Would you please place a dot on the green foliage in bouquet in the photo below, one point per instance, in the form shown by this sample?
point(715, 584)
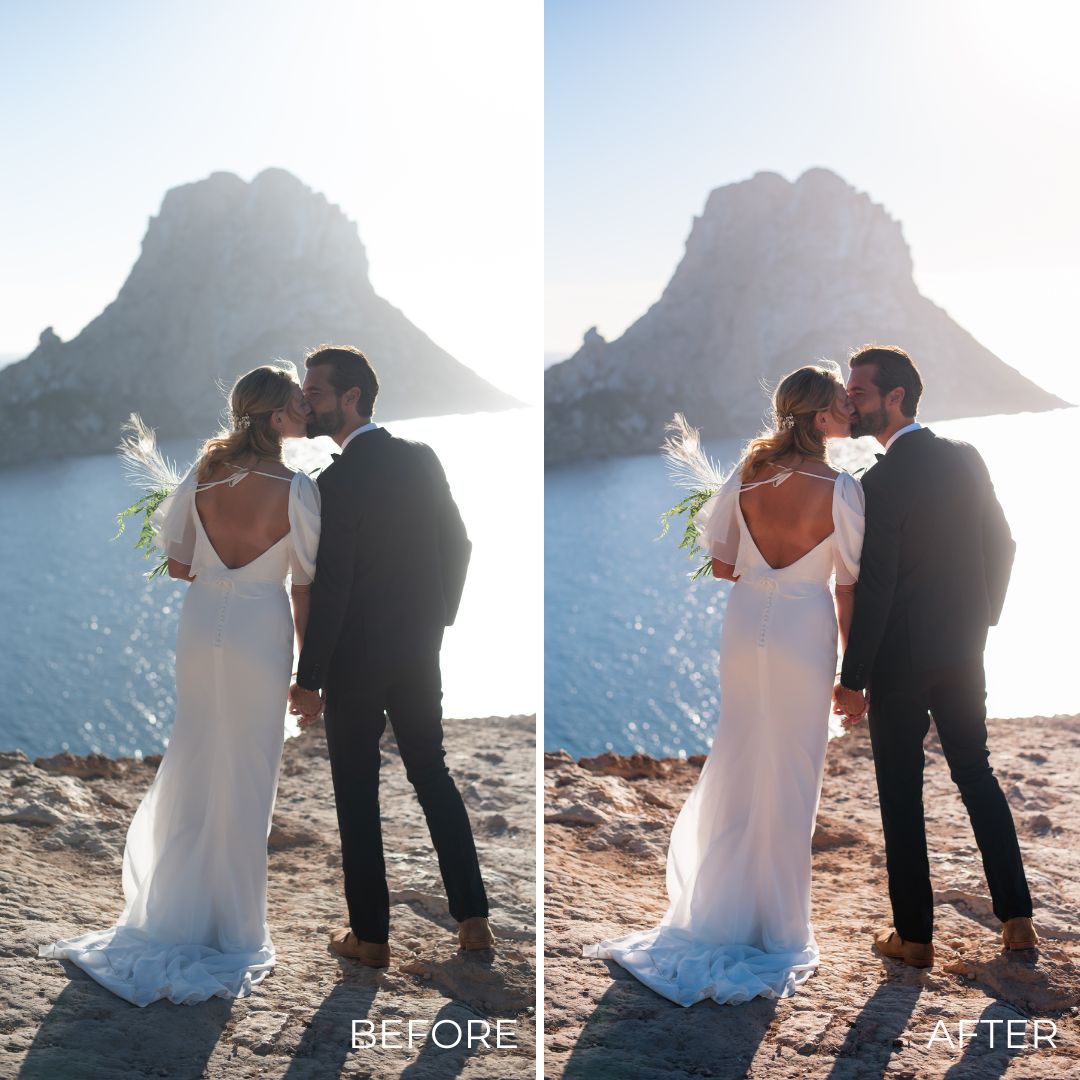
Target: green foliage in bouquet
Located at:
point(145, 542)
point(690, 506)
point(690, 468)
point(146, 469)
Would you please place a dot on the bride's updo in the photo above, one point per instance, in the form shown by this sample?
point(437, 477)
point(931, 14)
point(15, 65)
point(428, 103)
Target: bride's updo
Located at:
point(796, 400)
point(252, 400)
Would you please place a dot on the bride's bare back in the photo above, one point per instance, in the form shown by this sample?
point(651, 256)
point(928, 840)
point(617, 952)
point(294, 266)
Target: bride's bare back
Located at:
point(245, 519)
point(788, 520)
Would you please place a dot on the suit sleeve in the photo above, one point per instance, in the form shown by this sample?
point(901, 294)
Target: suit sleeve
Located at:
point(878, 569)
point(999, 548)
point(455, 547)
point(333, 582)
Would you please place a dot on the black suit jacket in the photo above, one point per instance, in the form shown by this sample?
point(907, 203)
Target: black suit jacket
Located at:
point(936, 560)
point(392, 559)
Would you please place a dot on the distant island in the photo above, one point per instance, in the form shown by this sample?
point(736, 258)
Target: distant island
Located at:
point(775, 274)
point(231, 275)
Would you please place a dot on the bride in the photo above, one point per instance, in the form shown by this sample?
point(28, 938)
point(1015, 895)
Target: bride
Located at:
point(738, 868)
point(194, 869)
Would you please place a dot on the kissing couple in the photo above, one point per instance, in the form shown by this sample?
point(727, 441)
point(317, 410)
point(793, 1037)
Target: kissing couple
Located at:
point(375, 557)
point(919, 555)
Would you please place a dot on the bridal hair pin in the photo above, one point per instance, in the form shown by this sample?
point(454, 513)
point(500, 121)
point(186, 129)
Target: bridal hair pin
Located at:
point(242, 421)
point(785, 421)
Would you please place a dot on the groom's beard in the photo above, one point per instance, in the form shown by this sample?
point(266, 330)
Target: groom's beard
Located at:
point(325, 423)
point(869, 423)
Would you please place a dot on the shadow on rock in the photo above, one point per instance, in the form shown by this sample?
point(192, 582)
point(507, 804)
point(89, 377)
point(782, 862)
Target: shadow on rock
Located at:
point(446, 1047)
point(498, 983)
point(74, 1041)
point(877, 1030)
point(326, 1043)
point(635, 1033)
point(988, 1055)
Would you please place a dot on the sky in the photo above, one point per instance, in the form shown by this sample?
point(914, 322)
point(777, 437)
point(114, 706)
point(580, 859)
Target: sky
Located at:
point(422, 120)
point(960, 117)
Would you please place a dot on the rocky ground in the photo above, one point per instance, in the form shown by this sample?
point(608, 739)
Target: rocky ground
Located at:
point(63, 822)
point(606, 833)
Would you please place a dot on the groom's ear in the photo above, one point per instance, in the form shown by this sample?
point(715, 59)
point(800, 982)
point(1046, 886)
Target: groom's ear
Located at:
point(351, 397)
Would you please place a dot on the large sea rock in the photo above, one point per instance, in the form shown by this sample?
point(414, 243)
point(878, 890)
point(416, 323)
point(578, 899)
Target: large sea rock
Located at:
point(775, 275)
point(231, 275)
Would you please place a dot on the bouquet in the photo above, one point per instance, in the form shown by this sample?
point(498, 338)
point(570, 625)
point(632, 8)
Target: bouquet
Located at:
point(156, 477)
point(689, 468)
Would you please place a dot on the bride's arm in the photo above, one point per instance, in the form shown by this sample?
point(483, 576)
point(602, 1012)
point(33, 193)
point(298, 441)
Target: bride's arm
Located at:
point(301, 605)
point(724, 570)
point(845, 607)
point(180, 571)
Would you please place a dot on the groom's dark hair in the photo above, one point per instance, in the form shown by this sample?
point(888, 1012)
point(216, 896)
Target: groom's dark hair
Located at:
point(349, 367)
point(892, 368)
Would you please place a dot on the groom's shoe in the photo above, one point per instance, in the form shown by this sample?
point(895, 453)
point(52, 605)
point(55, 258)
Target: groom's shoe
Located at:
point(475, 934)
point(892, 945)
point(1019, 933)
point(345, 943)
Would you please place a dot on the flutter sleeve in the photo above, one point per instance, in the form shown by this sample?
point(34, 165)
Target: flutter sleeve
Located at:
point(717, 525)
point(174, 520)
point(305, 520)
point(849, 521)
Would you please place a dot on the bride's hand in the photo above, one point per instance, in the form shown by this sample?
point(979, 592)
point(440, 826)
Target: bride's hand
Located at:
point(843, 702)
point(306, 705)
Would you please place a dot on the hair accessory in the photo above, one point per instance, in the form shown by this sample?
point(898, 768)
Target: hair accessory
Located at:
point(785, 421)
point(242, 421)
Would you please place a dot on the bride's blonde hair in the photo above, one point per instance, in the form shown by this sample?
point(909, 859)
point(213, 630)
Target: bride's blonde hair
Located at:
point(252, 400)
point(795, 401)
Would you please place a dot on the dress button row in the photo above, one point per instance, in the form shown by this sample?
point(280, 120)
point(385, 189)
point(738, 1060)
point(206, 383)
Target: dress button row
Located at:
point(770, 585)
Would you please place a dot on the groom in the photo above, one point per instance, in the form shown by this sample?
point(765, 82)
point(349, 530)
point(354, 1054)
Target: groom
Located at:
point(935, 566)
point(388, 578)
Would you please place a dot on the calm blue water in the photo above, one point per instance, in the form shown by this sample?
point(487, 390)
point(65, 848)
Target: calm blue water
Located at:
point(87, 657)
point(631, 645)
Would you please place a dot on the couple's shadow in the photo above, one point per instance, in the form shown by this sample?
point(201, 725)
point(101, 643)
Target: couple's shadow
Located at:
point(325, 1048)
point(90, 1032)
point(635, 1033)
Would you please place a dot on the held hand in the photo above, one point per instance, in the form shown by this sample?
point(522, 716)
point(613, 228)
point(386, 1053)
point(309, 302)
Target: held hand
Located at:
point(306, 704)
point(850, 703)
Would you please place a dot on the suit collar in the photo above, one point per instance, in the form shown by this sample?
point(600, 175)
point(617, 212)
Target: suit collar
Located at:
point(912, 438)
point(368, 439)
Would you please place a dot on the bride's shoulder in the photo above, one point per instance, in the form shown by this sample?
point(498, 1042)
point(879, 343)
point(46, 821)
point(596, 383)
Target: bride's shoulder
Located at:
point(305, 489)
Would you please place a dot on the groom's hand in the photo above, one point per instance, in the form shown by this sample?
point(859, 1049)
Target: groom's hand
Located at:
point(307, 704)
point(852, 703)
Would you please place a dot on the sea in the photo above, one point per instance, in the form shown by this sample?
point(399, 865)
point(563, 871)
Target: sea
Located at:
point(87, 657)
point(632, 645)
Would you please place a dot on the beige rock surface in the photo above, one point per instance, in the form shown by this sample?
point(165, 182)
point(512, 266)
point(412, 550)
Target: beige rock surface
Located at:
point(606, 833)
point(63, 823)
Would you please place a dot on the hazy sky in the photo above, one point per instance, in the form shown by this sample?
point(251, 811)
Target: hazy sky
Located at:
point(422, 120)
point(961, 117)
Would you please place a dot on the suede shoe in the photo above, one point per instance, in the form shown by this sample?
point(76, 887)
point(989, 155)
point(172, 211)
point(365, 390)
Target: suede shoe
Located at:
point(889, 943)
point(1019, 933)
point(475, 934)
point(374, 954)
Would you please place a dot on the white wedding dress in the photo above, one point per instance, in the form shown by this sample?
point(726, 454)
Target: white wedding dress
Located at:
point(738, 866)
point(194, 873)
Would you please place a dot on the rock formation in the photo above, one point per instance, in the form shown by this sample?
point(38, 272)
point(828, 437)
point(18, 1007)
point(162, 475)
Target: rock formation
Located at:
point(775, 275)
point(231, 275)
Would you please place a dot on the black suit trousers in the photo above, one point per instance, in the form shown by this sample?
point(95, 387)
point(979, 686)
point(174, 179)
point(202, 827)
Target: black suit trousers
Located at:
point(899, 716)
point(410, 694)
